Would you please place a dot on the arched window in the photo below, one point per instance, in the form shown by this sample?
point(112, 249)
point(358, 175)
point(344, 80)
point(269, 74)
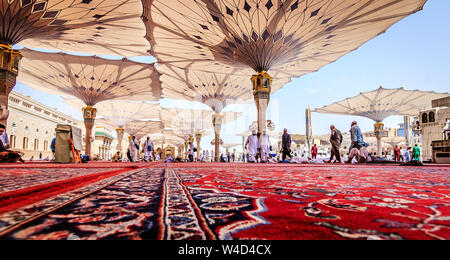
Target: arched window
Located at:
point(45, 145)
point(25, 143)
point(36, 144)
point(13, 127)
point(424, 118)
point(12, 141)
point(431, 117)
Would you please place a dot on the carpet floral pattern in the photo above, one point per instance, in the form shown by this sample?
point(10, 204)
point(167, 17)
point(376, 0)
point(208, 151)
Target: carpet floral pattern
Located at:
point(245, 201)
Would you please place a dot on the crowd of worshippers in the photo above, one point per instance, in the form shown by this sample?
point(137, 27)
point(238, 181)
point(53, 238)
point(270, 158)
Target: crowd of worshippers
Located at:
point(260, 150)
point(148, 153)
point(147, 150)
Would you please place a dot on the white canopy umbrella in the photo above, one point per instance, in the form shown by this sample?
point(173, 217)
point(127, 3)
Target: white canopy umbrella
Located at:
point(91, 79)
point(121, 112)
point(284, 38)
point(95, 27)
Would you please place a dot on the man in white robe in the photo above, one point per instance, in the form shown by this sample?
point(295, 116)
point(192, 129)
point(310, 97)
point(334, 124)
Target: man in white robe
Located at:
point(133, 147)
point(296, 159)
point(252, 146)
point(148, 148)
point(202, 156)
point(264, 145)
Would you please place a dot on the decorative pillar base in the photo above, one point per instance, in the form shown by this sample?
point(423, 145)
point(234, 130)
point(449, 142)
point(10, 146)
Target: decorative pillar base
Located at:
point(378, 130)
point(89, 114)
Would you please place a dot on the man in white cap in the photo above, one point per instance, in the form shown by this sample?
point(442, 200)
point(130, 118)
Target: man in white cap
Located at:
point(252, 146)
point(148, 148)
point(264, 145)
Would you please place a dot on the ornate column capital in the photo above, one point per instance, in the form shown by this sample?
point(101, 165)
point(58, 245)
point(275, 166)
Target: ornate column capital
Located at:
point(89, 112)
point(378, 128)
point(9, 59)
point(262, 84)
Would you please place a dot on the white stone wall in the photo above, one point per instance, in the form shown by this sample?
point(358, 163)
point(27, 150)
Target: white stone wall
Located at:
point(433, 131)
point(31, 126)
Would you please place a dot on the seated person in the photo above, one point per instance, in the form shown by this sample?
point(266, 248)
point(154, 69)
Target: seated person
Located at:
point(296, 159)
point(6, 155)
point(168, 159)
point(116, 157)
point(361, 155)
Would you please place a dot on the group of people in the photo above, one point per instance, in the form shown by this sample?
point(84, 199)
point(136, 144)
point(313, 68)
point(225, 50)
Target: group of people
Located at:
point(409, 154)
point(358, 148)
point(134, 148)
point(259, 149)
point(253, 144)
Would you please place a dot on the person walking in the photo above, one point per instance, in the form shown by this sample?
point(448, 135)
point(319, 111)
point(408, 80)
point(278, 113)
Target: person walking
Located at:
point(148, 149)
point(407, 154)
point(314, 152)
point(191, 152)
point(264, 145)
point(252, 146)
point(397, 153)
point(286, 145)
point(336, 141)
point(416, 153)
point(133, 147)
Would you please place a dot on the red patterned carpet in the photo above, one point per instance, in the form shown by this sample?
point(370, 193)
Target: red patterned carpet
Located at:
point(224, 201)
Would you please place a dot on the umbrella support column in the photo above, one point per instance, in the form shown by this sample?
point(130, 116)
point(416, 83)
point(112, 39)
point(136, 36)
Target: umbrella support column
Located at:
point(186, 143)
point(198, 137)
point(262, 84)
point(9, 69)
point(309, 138)
point(119, 131)
point(378, 130)
point(407, 129)
point(89, 114)
point(217, 124)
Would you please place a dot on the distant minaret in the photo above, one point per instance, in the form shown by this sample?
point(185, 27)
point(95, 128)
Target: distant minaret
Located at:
point(407, 129)
point(308, 128)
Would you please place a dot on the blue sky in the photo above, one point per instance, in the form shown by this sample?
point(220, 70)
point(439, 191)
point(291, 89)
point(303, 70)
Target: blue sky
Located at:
point(414, 54)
